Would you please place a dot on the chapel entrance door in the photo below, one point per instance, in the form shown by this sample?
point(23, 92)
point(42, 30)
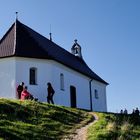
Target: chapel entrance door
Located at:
point(73, 96)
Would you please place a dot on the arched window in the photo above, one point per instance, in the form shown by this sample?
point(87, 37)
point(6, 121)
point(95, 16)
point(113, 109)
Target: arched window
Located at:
point(33, 76)
point(62, 81)
point(96, 93)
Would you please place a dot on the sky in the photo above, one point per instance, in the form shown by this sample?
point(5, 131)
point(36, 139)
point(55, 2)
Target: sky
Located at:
point(107, 30)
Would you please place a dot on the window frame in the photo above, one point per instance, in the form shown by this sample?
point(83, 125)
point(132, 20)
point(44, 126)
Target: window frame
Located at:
point(96, 94)
point(62, 85)
point(33, 76)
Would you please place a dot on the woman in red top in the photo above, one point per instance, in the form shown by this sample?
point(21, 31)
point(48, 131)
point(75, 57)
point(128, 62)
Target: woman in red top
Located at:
point(25, 94)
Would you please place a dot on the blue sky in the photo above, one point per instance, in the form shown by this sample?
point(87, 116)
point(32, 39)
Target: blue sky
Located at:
point(107, 30)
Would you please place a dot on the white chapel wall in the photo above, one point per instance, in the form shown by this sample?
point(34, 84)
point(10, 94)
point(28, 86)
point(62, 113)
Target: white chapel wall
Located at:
point(49, 71)
point(44, 74)
point(99, 103)
point(7, 78)
point(71, 78)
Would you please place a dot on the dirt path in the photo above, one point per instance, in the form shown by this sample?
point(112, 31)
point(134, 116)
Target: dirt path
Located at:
point(81, 134)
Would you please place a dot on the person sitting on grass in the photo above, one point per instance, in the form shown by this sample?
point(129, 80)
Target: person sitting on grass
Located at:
point(25, 95)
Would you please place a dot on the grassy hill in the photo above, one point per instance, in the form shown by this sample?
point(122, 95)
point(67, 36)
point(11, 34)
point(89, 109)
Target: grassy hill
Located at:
point(26, 120)
point(115, 127)
point(30, 120)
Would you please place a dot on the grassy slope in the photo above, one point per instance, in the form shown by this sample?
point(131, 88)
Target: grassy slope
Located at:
point(115, 127)
point(38, 121)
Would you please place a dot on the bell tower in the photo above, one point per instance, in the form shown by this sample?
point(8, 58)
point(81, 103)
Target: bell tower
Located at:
point(76, 49)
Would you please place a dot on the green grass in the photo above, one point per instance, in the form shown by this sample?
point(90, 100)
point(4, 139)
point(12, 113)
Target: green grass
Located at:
point(30, 120)
point(115, 127)
point(26, 120)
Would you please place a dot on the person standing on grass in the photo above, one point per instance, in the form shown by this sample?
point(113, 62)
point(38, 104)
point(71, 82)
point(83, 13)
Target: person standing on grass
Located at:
point(125, 111)
point(137, 112)
point(20, 89)
point(50, 93)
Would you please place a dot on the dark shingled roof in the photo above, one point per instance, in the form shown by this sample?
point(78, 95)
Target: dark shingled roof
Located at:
point(22, 41)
